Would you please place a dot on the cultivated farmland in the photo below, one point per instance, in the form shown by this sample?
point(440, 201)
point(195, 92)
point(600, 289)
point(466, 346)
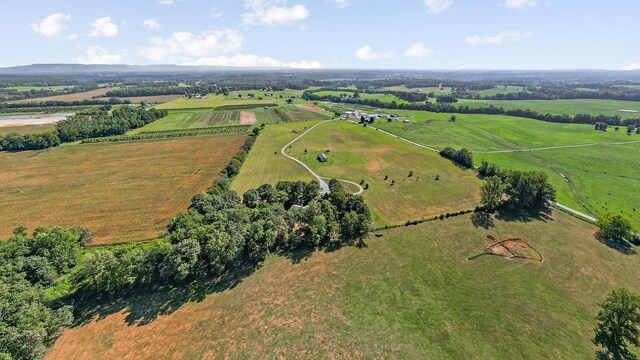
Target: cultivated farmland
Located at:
point(120, 191)
point(213, 101)
point(87, 95)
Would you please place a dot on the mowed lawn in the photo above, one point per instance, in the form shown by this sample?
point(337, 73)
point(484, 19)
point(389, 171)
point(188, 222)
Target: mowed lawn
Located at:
point(265, 164)
point(358, 153)
point(212, 101)
point(411, 294)
point(559, 107)
point(122, 192)
point(599, 179)
point(495, 132)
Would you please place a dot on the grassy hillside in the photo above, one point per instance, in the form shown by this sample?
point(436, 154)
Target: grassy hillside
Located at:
point(121, 191)
point(559, 107)
point(411, 294)
point(364, 154)
point(265, 164)
point(212, 101)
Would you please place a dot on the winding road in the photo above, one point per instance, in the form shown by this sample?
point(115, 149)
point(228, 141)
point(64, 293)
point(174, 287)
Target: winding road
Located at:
point(323, 184)
point(325, 187)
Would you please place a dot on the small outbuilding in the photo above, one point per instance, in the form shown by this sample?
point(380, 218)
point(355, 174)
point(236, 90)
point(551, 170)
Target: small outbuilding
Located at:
point(322, 158)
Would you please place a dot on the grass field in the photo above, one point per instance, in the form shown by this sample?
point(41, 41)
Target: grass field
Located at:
point(445, 90)
point(265, 164)
point(409, 295)
point(122, 192)
point(364, 154)
point(212, 101)
point(87, 95)
point(158, 99)
point(507, 89)
point(492, 132)
point(28, 129)
point(382, 97)
point(559, 107)
point(600, 179)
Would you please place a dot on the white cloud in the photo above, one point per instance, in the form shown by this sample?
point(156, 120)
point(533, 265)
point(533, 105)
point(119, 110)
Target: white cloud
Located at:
point(166, 2)
point(151, 24)
point(99, 55)
point(366, 53)
point(52, 25)
point(499, 38)
point(272, 13)
point(437, 6)
point(103, 27)
point(520, 4)
point(418, 50)
point(241, 60)
point(215, 13)
point(341, 3)
point(72, 37)
point(185, 46)
point(631, 66)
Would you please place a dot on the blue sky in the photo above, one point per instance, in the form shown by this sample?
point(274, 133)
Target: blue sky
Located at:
point(400, 34)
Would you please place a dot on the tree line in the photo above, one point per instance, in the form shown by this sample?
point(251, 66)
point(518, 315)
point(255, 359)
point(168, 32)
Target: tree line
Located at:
point(147, 91)
point(51, 103)
point(92, 124)
point(462, 157)
point(557, 92)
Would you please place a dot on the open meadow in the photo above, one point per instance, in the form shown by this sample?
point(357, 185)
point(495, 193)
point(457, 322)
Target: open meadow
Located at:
point(121, 192)
point(87, 95)
point(435, 186)
point(409, 294)
point(382, 97)
point(560, 107)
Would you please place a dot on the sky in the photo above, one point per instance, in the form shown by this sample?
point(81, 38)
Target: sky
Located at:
point(350, 34)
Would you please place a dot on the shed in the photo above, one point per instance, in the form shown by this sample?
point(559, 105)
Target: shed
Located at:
point(322, 158)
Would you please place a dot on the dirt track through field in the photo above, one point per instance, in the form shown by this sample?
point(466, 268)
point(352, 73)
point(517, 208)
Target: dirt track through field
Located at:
point(247, 118)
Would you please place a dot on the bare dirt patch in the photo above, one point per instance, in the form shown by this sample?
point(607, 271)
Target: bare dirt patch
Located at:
point(310, 107)
point(37, 119)
point(511, 248)
point(247, 118)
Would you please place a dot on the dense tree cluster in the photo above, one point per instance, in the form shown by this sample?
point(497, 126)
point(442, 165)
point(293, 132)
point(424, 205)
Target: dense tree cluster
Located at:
point(146, 91)
point(462, 157)
point(29, 319)
point(514, 189)
point(91, 124)
point(569, 91)
point(614, 227)
point(601, 126)
point(618, 325)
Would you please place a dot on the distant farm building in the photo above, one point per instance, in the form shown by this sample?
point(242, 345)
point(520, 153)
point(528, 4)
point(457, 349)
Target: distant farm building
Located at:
point(322, 158)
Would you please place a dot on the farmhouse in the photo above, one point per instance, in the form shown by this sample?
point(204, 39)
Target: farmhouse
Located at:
point(322, 158)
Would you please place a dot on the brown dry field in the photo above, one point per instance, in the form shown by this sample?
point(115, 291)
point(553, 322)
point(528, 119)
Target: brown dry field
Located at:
point(158, 99)
point(409, 294)
point(87, 95)
point(122, 192)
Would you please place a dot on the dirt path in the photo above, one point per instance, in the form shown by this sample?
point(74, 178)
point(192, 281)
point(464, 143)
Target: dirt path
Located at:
point(556, 147)
point(247, 118)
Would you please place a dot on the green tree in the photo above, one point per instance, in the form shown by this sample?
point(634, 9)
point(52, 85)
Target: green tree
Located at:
point(619, 325)
point(614, 226)
point(491, 192)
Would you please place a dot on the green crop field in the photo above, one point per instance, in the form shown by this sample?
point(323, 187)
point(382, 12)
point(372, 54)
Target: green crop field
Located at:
point(29, 88)
point(411, 294)
point(559, 107)
point(436, 90)
point(121, 192)
point(213, 101)
point(192, 119)
point(364, 154)
point(493, 132)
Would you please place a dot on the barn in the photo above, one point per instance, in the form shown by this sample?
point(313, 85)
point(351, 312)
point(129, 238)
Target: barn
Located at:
point(322, 158)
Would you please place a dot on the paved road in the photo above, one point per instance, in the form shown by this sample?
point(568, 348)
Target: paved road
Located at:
point(575, 212)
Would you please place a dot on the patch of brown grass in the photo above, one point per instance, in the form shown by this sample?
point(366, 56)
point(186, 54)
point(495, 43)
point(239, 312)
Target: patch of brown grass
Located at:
point(87, 95)
point(122, 192)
